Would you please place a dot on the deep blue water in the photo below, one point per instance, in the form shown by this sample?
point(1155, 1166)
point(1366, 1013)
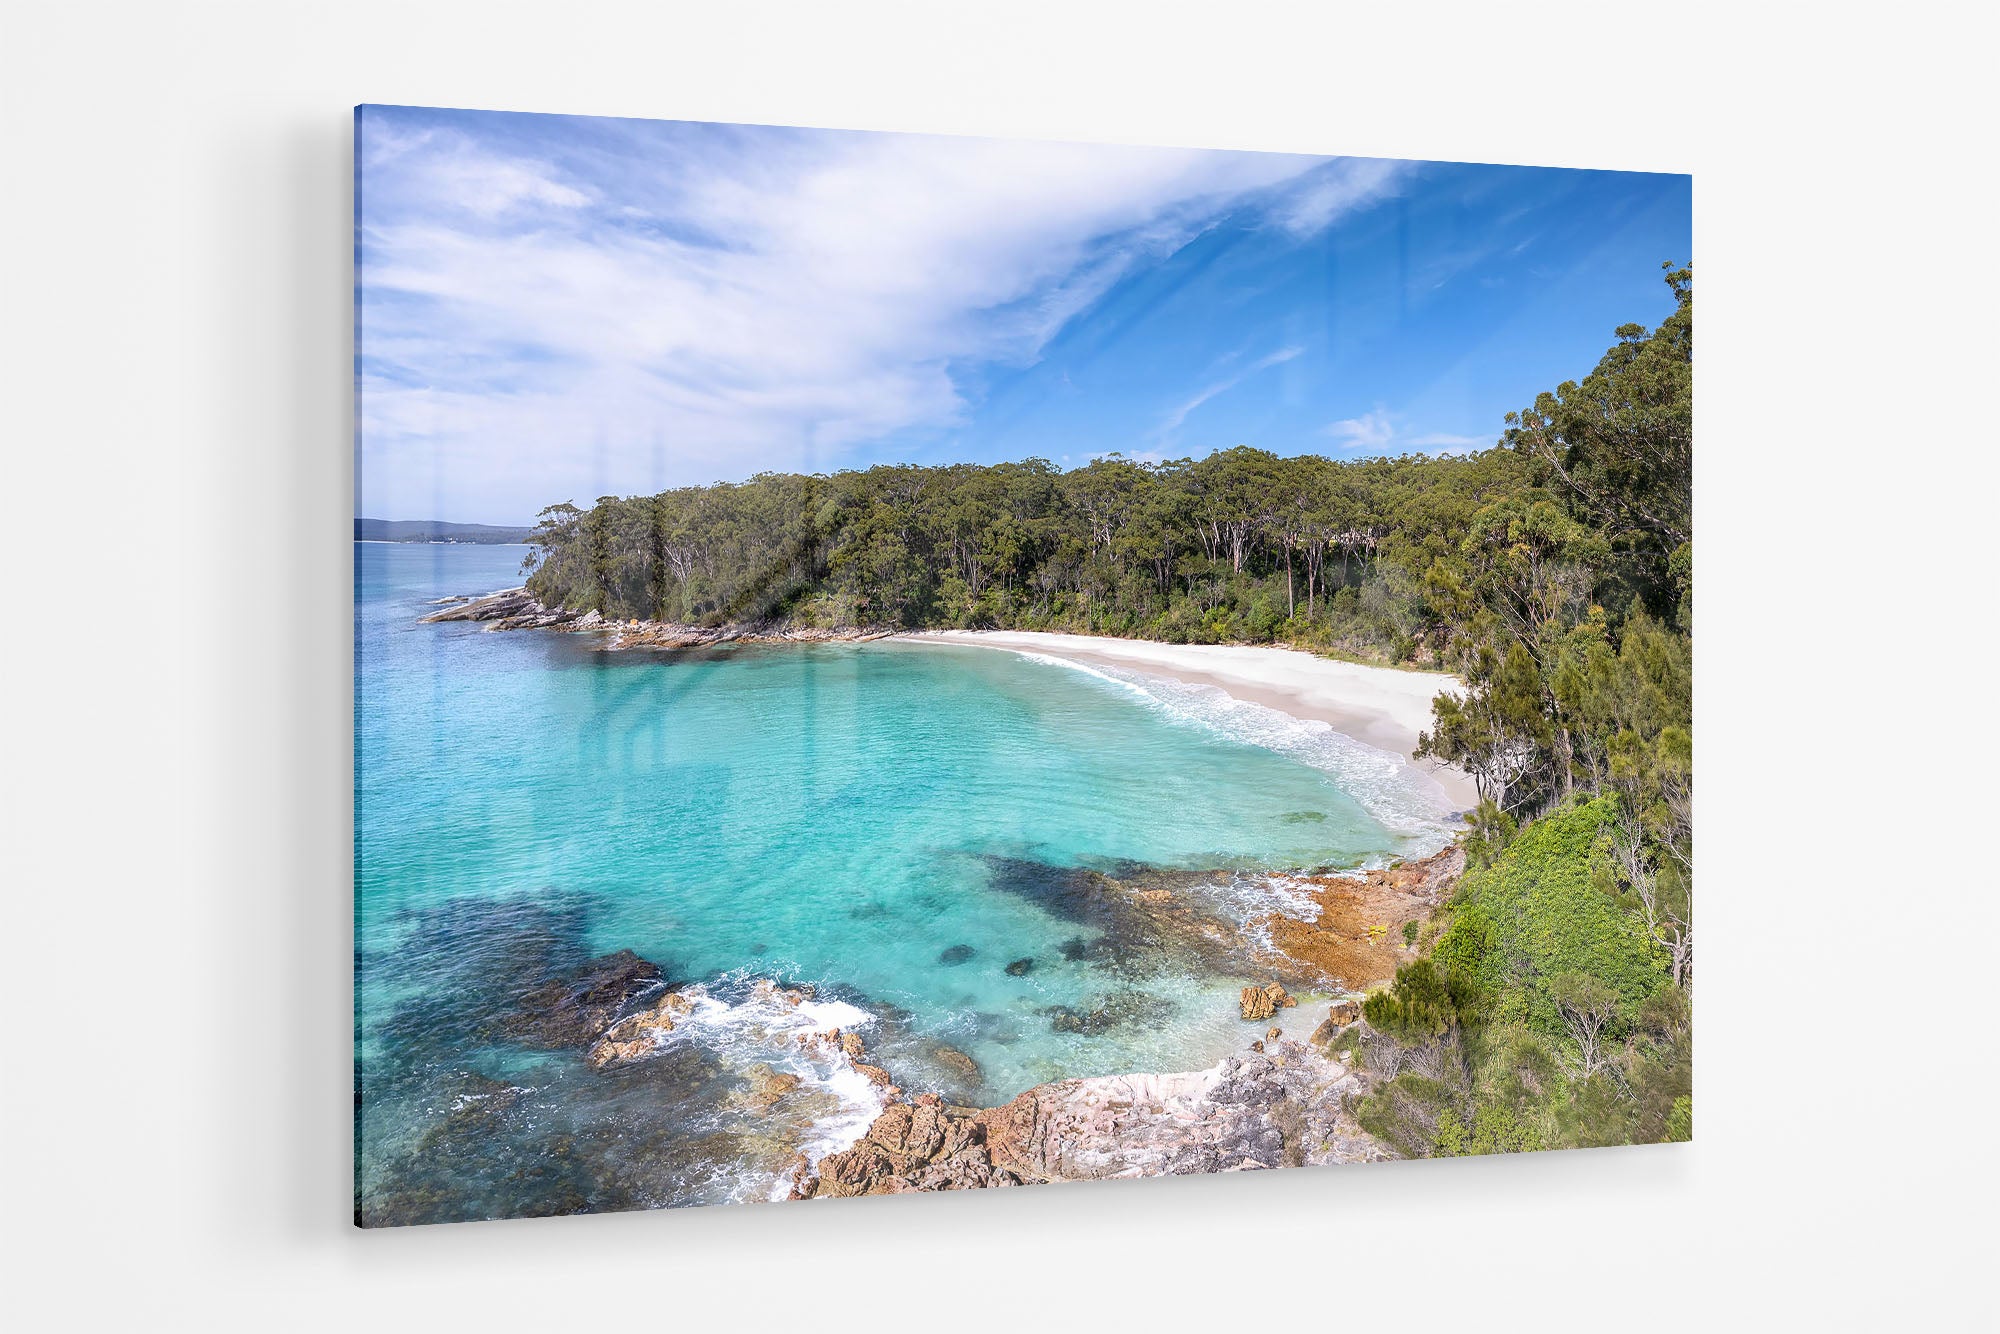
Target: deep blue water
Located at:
point(845, 815)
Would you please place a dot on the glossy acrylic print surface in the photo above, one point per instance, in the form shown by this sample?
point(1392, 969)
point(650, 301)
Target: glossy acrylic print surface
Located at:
point(889, 663)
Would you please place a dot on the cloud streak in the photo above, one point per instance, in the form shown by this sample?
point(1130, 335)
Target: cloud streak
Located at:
point(1338, 189)
point(1376, 432)
point(1178, 415)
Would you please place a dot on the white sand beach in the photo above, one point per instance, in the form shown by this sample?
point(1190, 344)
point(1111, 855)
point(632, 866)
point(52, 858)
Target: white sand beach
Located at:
point(1380, 706)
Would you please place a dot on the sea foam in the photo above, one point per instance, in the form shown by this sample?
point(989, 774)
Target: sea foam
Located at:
point(1392, 790)
point(765, 1026)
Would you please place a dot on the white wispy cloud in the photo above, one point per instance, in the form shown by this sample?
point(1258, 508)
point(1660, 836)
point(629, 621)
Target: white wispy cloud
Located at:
point(668, 304)
point(1370, 431)
point(1378, 432)
point(460, 175)
point(1337, 189)
point(1178, 414)
point(1443, 442)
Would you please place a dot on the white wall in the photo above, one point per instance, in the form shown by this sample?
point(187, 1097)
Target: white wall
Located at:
point(175, 317)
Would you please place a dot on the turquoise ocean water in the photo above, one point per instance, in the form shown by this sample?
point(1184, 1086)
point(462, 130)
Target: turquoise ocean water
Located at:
point(884, 821)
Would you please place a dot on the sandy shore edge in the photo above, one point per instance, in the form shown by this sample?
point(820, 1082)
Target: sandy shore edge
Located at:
point(1383, 707)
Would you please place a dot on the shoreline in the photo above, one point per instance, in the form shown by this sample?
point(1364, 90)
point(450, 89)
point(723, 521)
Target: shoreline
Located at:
point(1383, 707)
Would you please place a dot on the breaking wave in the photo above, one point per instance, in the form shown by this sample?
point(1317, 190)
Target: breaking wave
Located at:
point(773, 1026)
point(1398, 795)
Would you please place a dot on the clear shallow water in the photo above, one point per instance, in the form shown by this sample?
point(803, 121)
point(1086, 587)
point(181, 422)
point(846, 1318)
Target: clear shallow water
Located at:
point(853, 816)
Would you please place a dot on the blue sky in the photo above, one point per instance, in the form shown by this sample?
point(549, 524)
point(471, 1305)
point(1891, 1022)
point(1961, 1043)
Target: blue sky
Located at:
point(557, 307)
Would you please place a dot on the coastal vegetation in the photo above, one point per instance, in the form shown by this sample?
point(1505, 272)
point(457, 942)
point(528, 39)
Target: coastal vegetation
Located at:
point(1240, 546)
point(1553, 1007)
point(1550, 1003)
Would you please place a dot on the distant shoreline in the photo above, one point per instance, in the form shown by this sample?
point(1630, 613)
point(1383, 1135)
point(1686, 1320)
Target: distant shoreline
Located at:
point(440, 532)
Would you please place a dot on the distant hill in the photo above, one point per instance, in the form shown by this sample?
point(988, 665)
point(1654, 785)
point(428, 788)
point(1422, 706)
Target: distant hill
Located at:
point(433, 530)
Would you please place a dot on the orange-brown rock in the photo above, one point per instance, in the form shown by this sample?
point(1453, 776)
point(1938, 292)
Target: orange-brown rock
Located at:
point(638, 1035)
point(923, 1145)
point(1265, 1001)
point(1339, 1017)
point(1357, 939)
point(1255, 1004)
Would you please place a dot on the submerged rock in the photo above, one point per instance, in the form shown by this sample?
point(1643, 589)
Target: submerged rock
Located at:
point(1107, 1014)
point(956, 955)
point(956, 1061)
point(1020, 967)
point(767, 1086)
point(573, 1008)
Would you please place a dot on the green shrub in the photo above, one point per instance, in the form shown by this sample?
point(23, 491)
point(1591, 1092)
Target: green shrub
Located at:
point(1537, 913)
point(1417, 1007)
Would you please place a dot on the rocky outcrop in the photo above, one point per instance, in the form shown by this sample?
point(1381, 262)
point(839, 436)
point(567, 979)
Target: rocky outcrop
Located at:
point(639, 1035)
point(1357, 936)
point(1265, 1001)
point(518, 609)
point(515, 609)
point(921, 1145)
point(1283, 1107)
point(1286, 1106)
point(572, 1009)
point(1340, 1016)
point(670, 635)
point(1343, 928)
